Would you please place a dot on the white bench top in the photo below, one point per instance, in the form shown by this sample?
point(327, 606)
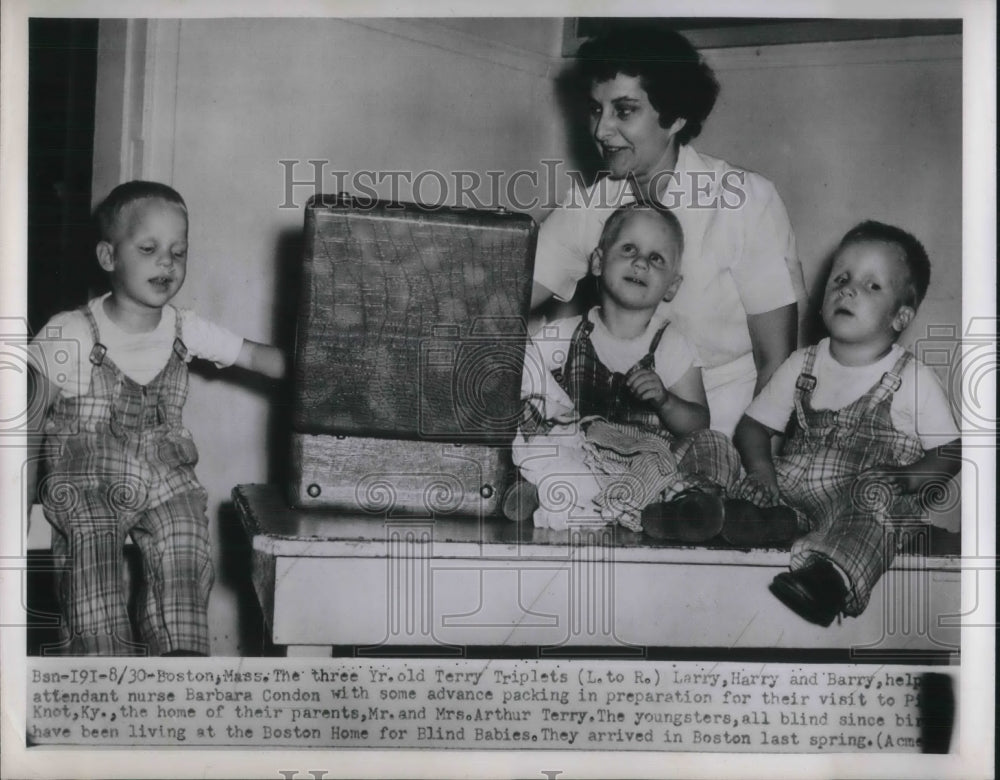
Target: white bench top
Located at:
point(277, 529)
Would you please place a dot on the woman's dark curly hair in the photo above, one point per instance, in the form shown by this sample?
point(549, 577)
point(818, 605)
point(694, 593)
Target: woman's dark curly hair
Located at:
point(670, 70)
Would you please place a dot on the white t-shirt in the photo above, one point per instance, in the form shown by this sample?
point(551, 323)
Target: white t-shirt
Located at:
point(919, 407)
point(66, 342)
point(549, 348)
point(739, 251)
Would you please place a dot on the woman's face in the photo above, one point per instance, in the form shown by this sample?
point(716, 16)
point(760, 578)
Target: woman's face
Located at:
point(627, 129)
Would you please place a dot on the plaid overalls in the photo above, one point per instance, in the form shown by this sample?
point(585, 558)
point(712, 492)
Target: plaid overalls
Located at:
point(823, 453)
point(125, 464)
point(703, 456)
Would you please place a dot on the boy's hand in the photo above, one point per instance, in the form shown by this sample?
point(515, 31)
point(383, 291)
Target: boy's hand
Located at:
point(262, 358)
point(753, 442)
point(647, 386)
point(875, 488)
point(764, 483)
point(682, 409)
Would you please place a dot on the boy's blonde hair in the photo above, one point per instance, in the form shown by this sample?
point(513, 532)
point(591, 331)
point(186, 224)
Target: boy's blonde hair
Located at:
point(616, 221)
point(123, 197)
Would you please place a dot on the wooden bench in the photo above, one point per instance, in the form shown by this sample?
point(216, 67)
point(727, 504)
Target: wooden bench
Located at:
point(326, 580)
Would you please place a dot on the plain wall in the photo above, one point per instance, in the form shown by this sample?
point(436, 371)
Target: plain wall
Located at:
point(845, 132)
point(250, 93)
point(852, 131)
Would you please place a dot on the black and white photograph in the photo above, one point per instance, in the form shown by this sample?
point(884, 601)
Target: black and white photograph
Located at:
point(459, 391)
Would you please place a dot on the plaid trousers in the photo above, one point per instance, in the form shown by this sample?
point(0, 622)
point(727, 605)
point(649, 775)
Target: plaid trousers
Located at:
point(824, 452)
point(123, 463)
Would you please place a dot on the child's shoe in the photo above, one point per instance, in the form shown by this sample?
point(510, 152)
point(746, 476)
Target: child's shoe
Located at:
point(816, 592)
point(692, 516)
point(520, 502)
point(748, 525)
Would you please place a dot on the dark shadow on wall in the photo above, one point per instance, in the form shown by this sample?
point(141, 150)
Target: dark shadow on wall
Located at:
point(288, 278)
point(288, 265)
point(572, 97)
point(62, 78)
point(236, 550)
point(812, 323)
point(236, 572)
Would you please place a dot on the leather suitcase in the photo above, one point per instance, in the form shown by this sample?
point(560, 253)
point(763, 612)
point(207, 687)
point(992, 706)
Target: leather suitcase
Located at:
point(410, 336)
point(398, 478)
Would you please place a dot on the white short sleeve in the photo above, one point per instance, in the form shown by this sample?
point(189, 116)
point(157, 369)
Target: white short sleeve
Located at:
point(931, 420)
point(60, 351)
point(774, 405)
point(560, 255)
point(767, 272)
point(674, 356)
point(208, 341)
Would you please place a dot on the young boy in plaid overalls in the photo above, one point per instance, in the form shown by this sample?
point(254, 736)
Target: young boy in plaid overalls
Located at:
point(118, 458)
point(868, 424)
point(634, 386)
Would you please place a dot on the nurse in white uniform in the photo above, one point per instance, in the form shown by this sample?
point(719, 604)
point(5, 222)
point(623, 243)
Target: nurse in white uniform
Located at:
point(649, 93)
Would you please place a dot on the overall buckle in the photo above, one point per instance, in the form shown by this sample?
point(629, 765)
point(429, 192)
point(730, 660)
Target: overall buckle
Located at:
point(806, 383)
point(97, 354)
point(891, 381)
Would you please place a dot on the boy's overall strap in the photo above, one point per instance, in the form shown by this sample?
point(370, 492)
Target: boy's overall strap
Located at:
point(655, 343)
point(891, 380)
point(804, 386)
point(98, 351)
point(179, 347)
point(806, 382)
point(649, 359)
point(581, 332)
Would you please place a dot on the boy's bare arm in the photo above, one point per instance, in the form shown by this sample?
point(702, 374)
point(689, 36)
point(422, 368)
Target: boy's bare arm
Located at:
point(262, 358)
point(683, 408)
point(773, 336)
point(753, 442)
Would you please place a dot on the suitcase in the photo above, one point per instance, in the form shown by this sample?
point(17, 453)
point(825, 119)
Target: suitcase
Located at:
point(409, 341)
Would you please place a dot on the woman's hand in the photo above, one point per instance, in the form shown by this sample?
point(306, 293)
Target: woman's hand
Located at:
point(935, 468)
point(875, 489)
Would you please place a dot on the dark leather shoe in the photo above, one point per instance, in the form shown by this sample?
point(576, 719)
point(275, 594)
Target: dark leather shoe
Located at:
point(692, 516)
point(748, 525)
point(815, 592)
point(520, 501)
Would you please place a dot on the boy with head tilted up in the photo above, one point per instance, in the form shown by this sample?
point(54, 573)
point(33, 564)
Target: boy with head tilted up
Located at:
point(867, 428)
point(616, 399)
